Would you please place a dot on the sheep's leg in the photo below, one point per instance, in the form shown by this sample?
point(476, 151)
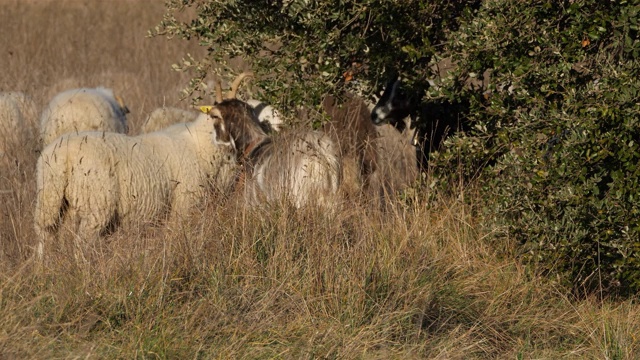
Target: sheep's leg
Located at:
point(92, 210)
point(44, 236)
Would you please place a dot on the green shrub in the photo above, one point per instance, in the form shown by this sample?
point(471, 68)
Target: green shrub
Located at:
point(301, 50)
point(563, 143)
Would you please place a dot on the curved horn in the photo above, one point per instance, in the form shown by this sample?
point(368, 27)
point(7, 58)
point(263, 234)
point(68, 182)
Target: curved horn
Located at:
point(236, 83)
point(218, 91)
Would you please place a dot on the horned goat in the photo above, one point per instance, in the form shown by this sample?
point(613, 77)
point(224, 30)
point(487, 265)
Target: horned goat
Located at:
point(433, 121)
point(302, 167)
point(384, 159)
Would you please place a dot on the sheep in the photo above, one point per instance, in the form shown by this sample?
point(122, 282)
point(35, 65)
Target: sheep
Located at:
point(84, 109)
point(16, 111)
point(302, 167)
point(96, 181)
point(163, 117)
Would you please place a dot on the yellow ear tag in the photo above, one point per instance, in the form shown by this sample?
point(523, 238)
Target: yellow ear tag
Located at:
point(206, 108)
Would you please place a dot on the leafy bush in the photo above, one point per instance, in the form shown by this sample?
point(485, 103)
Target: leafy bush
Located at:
point(559, 123)
point(301, 49)
point(550, 91)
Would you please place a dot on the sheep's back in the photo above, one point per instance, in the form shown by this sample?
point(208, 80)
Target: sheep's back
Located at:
point(111, 172)
point(164, 117)
point(82, 110)
point(303, 166)
point(192, 159)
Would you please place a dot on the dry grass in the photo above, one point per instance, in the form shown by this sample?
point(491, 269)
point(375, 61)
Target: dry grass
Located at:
point(419, 281)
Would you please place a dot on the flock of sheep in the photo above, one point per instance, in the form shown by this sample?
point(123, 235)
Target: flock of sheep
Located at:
point(92, 176)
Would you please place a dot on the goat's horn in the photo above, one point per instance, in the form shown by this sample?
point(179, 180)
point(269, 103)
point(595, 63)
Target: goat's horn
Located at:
point(218, 91)
point(236, 84)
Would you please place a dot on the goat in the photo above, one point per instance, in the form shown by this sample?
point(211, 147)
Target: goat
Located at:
point(267, 114)
point(403, 109)
point(303, 167)
point(384, 158)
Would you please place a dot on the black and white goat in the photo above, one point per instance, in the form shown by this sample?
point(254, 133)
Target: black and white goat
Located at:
point(429, 123)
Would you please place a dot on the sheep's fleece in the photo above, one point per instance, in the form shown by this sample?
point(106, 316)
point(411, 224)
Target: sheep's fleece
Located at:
point(83, 109)
point(94, 180)
point(163, 117)
point(13, 129)
point(303, 166)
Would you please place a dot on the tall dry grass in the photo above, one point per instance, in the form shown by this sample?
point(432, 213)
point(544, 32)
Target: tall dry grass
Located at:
point(421, 280)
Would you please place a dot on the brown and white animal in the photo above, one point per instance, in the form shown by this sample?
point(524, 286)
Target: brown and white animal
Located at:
point(384, 158)
point(302, 167)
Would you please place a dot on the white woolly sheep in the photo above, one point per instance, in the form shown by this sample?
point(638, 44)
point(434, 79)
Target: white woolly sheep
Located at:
point(83, 109)
point(94, 181)
point(302, 167)
point(163, 117)
point(13, 130)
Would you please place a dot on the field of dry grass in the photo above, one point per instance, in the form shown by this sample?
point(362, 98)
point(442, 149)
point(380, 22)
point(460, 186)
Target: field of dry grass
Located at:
point(422, 280)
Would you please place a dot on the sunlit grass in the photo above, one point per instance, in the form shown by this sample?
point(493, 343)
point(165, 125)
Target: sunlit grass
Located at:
point(425, 279)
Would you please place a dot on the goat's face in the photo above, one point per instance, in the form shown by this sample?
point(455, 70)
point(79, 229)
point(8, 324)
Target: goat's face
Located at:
point(221, 135)
point(394, 105)
point(241, 122)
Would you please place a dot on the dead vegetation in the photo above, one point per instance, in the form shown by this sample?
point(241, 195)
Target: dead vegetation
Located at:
point(420, 280)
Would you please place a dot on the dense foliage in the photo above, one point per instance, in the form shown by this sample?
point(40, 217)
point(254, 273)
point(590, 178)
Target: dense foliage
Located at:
point(302, 49)
point(559, 123)
point(550, 91)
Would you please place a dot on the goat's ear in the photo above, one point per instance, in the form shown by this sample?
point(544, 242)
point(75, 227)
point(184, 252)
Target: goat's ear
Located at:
point(214, 113)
